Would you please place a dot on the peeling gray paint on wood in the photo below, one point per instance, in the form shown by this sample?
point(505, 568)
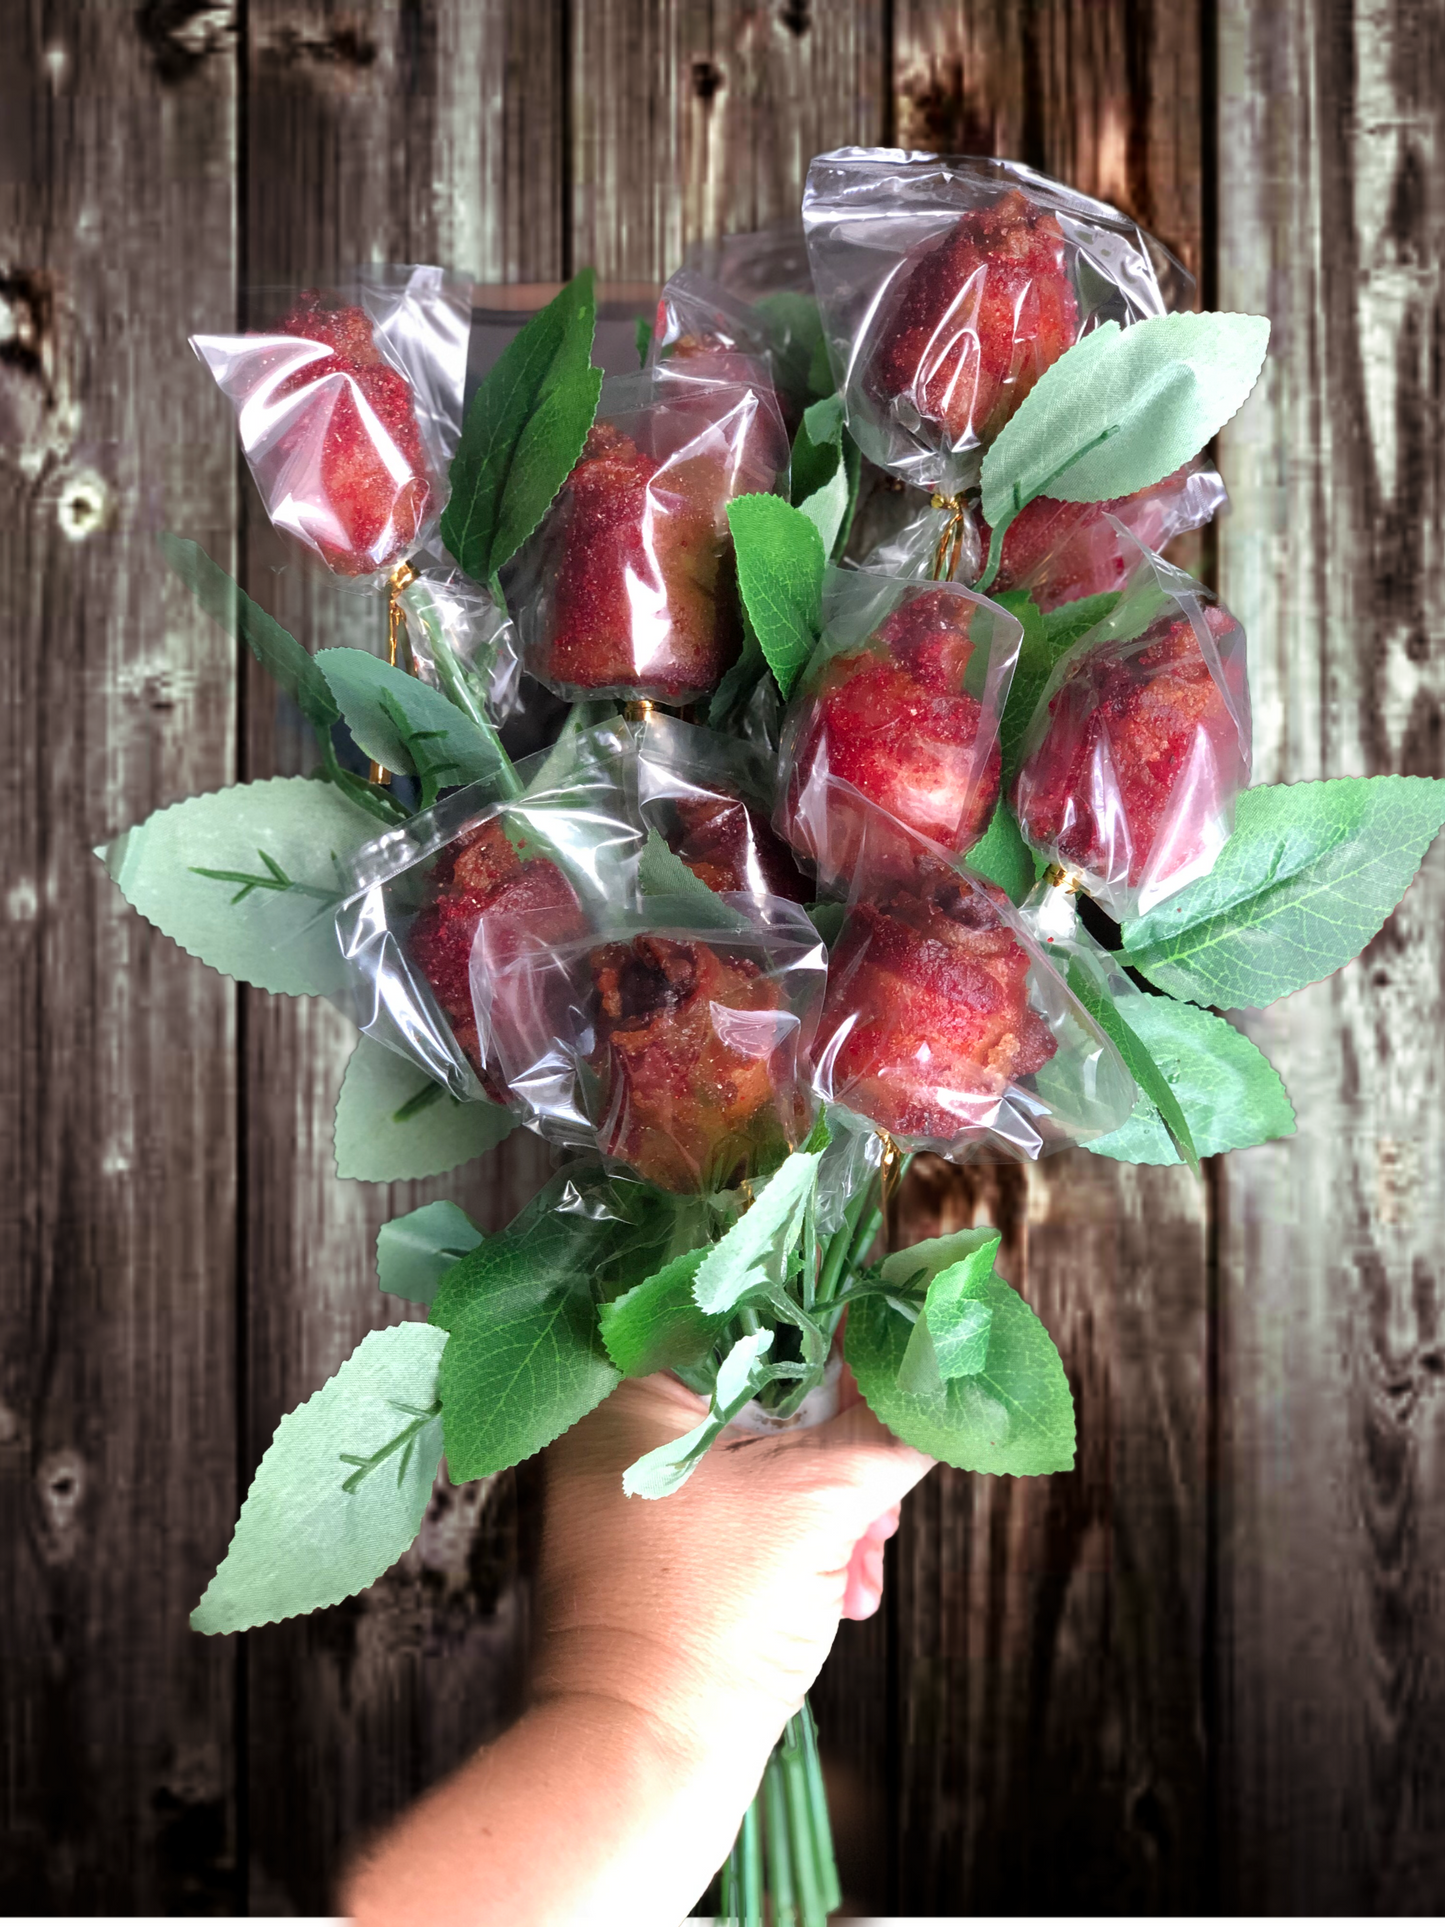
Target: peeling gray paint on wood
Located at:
point(1132, 1690)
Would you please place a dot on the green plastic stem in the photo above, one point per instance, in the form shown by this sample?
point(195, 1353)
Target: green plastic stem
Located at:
point(780, 1859)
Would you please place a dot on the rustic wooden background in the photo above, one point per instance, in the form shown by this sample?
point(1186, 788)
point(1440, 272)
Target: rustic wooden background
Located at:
point(1206, 1672)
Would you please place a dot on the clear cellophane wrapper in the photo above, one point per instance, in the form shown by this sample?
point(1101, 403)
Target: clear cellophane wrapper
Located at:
point(557, 859)
point(948, 285)
point(710, 799)
point(349, 407)
point(1140, 743)
point(947, 1026)
point(460, 642)
point(629, 586)
point(675, 1044)
point(900, 705)
point(767, 284)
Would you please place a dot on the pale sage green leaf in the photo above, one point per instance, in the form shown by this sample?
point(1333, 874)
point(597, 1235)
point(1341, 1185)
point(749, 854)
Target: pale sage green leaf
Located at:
point(341, 1491)
point(248, 879)
point(1306, 880)
point(412, 1252)
point(394, 1123)
point(1138, 1060)
point(661, 1471)
point(1123, 408)
point(1228, 1090)
point(753, 1254)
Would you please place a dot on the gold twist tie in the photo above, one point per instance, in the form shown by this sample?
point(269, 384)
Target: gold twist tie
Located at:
point(950, 543)
point(400, 576)
point(1058, 878)
point(888, 1171)
point(638, 711)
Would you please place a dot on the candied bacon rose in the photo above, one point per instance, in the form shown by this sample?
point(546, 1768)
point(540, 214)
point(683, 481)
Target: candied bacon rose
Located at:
point(1139, 755)
point(928, 1010)
point(893, 719)
point(366, 495)
point(637, 570)
point(976, 319)
point(481, 876)
point(696, 1057)
point(729, 847)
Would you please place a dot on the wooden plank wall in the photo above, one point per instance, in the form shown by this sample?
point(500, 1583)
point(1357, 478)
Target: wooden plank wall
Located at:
point(1203, 1673)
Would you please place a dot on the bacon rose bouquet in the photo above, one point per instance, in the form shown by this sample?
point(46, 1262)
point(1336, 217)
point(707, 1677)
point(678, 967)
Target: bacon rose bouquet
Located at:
point(826, 858)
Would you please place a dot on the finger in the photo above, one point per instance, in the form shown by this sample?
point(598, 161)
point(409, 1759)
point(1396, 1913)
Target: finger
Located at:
point(863, 1589)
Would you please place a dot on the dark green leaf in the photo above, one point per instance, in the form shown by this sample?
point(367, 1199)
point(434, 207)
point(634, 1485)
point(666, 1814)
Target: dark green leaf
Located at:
point(524, 432)
point(780, 572)
point(1227, 1089)
point(825, 473)
point(828, 920)
point(1307, 879)
point(275, 648)
point(643, 330)
point(1045, 639)
point(404, 724)
point(1015, 1415)
point(1002, 856)
point(413, 1252)
point(341, 1491)
point(1135, 1053)
point(384, 1133)
point(1122, 409)
point(657, 1326)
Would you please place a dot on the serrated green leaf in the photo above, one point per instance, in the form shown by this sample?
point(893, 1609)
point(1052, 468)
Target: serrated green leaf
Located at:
point(264, 915)
point(1002, 856)
point(662, 874)
point(389, 1127)
point(1306, 880)
point(341, 1491)
point(657, 1326)
point(1016, 1415)
point(930, 1256)
point(275, 648)
point(958, 1313)
point(412, 1252)
point(524, 432)
point(825, 473)
point(1046, 638)
point(404, 724)
point(1123, 408)
point(1136, 1055)
point(780, 572)
point(753, 1254)
point(1228, 1090)
point(660, 1472)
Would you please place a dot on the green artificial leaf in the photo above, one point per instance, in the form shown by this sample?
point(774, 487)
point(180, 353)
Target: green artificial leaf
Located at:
point(828, 920)
point(958, 1314)
point(393, 1122)
point(1135, 1053)
point(917, 1265)
point(666, 1467)
point(524, 432)
point(753, 1255)
point(275, 648)
point(1307, 879)
point(1014, 1415)
point(738, 683)
point(248, 879)
point(780, 572)
point(1228, 1090)
point(1002, 856)
point(798, 350)
point(825, 473)
point(661, 873)
point(821, 1135)
point(1123, 408)
point(526, 1359)
point(341, 1491)
point(1046, 638)
point(642, 329)
point(413, 1252)
point(657, 1326)
point(406, 725)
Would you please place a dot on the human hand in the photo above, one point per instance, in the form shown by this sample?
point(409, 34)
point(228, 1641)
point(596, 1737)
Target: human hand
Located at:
point(710, 1612)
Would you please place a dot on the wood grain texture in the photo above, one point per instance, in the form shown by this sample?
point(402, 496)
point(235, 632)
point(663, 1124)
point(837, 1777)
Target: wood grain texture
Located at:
point(1332, 1448)
point(1049, 1633)
point(382, 134)
point(117, 1440)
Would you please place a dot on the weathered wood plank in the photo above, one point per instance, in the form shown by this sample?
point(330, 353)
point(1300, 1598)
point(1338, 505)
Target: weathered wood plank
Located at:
point(1049, 1633)
point(1332, 166)
point(378, 133)
point(117, 1417)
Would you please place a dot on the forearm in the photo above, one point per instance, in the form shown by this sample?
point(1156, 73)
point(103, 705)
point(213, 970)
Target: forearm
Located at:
point(584, 1811)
